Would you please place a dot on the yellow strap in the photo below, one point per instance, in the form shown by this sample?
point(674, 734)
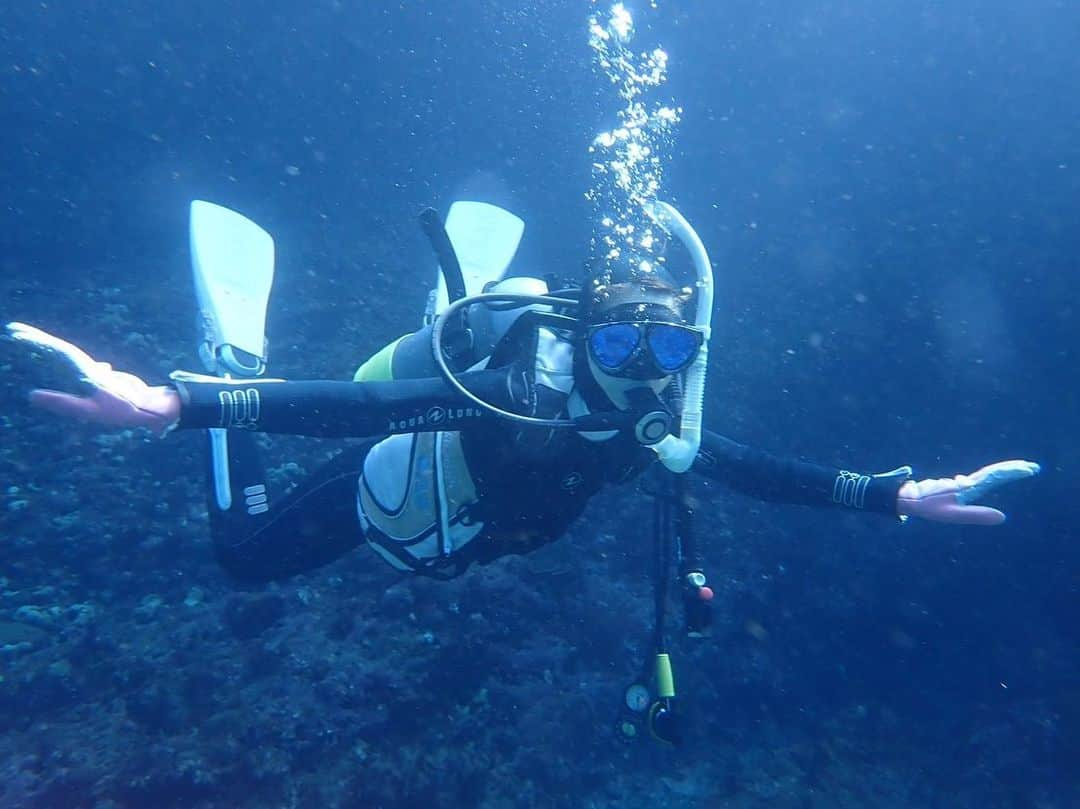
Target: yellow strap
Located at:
point(379, 367)
point(665, 679)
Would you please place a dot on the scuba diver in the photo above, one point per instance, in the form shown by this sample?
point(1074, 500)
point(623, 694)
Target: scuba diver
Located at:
point(489, 428)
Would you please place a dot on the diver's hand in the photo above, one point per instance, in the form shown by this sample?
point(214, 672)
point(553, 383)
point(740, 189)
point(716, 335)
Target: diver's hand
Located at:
point(951, 499)
point(118, 399)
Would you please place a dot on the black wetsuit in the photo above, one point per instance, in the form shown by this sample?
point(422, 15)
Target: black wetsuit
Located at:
point(531, 482)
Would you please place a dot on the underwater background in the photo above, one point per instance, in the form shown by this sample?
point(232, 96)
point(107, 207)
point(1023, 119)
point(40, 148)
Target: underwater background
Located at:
point(890, 193)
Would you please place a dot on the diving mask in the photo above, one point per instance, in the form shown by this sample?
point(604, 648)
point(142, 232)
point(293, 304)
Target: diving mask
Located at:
point(642, 349)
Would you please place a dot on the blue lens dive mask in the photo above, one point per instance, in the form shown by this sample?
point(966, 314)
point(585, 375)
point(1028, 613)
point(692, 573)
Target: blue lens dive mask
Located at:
point(642, 350)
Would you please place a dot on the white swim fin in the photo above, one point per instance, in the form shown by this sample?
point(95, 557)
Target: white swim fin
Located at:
point(485, 238)
point(232, 259)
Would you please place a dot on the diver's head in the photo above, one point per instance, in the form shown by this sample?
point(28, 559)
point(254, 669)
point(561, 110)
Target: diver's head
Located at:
point(634, 332)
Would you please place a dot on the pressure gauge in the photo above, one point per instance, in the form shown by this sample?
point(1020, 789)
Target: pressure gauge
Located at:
point(637, 698)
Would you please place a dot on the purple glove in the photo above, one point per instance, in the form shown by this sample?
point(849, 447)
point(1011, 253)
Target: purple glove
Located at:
point(950, 499)
point(118, 400)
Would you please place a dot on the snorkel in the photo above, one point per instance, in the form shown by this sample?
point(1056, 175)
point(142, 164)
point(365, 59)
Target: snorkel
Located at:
point(677, 453)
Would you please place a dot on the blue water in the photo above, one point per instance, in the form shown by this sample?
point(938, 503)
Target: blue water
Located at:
point(890, 193)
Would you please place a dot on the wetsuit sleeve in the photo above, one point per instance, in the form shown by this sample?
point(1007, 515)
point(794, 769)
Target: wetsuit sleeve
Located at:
point(766, 477)
point(342, 409)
